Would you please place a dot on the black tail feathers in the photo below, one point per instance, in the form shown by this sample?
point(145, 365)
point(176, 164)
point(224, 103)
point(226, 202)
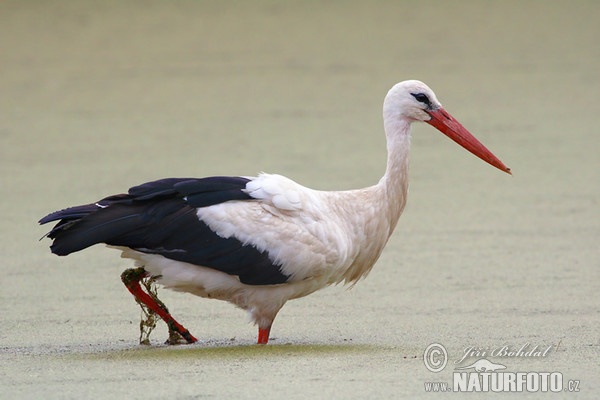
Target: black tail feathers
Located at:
point(67, 219)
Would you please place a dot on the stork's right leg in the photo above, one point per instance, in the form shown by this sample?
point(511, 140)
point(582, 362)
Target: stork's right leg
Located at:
point(131, 278)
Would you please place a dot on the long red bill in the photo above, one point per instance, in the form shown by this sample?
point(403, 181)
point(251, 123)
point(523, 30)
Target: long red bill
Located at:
point(449, 126)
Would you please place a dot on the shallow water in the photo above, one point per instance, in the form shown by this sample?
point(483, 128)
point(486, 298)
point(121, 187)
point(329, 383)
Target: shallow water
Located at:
point(98, 96)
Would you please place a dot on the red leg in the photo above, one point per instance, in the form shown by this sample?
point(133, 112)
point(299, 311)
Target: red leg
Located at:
point(131, 278)
point(263, 335)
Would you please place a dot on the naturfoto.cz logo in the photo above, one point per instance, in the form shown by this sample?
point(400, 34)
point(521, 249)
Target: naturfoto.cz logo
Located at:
point(479, 374)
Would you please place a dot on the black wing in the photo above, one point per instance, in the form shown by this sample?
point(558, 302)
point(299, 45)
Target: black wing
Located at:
point(160, 217)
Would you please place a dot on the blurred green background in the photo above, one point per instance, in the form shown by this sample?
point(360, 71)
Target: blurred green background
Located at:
point(98, 96)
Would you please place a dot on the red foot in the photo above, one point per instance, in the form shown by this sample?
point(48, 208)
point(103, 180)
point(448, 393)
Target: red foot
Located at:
point(263, 335)
point(131, 278)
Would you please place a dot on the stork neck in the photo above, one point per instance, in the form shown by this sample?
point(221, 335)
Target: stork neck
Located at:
point(395, 181)
point(398, 147)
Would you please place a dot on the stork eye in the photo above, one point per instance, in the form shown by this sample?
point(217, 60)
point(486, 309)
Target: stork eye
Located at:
point(422, 98)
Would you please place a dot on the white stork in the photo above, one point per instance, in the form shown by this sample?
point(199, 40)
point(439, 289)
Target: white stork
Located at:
point(258, 242)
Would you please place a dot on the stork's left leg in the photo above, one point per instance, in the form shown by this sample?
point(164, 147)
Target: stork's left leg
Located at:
point(263, 335)
point(131, 278)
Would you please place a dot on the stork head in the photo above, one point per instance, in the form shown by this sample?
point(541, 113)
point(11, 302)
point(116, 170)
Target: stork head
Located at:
point(412, 100)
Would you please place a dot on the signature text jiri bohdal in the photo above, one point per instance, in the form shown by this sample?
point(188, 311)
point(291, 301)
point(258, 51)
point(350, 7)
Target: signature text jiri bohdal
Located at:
point(525, 351)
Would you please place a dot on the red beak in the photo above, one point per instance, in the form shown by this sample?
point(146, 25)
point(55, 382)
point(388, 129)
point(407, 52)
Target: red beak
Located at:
point(449, 126)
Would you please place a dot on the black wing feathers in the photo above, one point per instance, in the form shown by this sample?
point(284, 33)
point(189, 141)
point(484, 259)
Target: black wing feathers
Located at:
point(213, 190)
point(160, 218)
